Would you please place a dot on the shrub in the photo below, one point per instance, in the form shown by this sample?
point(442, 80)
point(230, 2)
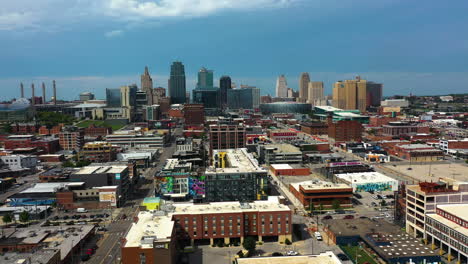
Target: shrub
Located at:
point(287, 242)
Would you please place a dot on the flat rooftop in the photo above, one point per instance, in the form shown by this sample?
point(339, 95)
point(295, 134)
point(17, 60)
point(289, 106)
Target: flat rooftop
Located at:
point(450, 224)
point(318, 185)
point(150, 228)
point(238, 160)
point(364, 177)
point(283, 148)
point(272, 204)
point(458, 210)
point(102, 169)
point(323, 258)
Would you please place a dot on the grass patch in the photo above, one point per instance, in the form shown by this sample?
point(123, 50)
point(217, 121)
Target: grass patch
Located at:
point(114, 124)
point(363, 256)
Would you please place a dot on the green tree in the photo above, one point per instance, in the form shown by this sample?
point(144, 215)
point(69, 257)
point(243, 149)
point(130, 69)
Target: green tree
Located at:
point(249, 245)
point(8, 218)
point(336, 204)
point(68, 164)
point(287, 242)
point(311, 207)
point(24, 217)
point(321, 207)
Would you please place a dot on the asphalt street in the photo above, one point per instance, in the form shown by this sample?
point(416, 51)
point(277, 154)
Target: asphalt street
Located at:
point(109, 247)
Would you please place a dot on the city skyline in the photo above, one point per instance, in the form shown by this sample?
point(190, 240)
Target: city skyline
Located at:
point(403, 47)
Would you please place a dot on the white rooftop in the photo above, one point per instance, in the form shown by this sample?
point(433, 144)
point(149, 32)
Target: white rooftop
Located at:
point(102, 169)
point(318, 185)
point(364, 177)
point(149, 228)
point(328, 108)
point(458, 210)
point(48, 187)
point(237, 160)
point(281, 166)
point(272, 204)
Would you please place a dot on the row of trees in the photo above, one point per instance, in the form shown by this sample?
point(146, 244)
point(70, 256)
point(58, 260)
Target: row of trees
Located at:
point(23, 217)
point(336, 204)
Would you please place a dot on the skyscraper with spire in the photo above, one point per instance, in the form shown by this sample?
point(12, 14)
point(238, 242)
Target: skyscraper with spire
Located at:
point(177, 84)
point(304, 80)
point(147, 86)
point(281, 86)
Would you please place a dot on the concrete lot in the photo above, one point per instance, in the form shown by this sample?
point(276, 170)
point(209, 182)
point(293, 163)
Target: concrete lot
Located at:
point(432, 171)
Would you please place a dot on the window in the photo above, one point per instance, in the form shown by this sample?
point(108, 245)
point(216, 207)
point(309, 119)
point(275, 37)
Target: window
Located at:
point(142, 258)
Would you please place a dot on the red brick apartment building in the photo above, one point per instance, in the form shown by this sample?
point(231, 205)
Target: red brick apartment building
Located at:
point(322, 193)
point(345, 130)
point(94, 131)
point(234, 220)
point(282, 135)
point(71, 140)
point(314, 128)
point(194, 114)
point(24, 128)
point(418, 152)
point(227, 136)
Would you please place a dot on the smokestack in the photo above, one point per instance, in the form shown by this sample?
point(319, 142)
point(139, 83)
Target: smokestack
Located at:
point(55, 92)
point(22, 90)
point(33, 97)
point(43, 93)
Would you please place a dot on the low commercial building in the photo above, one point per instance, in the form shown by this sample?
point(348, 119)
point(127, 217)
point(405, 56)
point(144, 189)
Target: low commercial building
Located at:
point(322, 193)
point(44, 256)
point(235, 176)
point(453, 146)
point(422, 199)
point(418, 152)
point(150, 240)
point(56, 175)
point(279, 154)
point(368, 181)
point(289, 170)
point(279, 135)
point(397, 129)
point(229, 221)
point(129, 139)
point(382, 238)
point(39, 194)
point(446, 229)
point(15, 162)
point(143, 158)
point(102, 176)
point(45, 145)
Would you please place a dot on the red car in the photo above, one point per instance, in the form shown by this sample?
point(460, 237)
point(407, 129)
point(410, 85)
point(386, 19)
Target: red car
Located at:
point(90, 251)
point(349, 217)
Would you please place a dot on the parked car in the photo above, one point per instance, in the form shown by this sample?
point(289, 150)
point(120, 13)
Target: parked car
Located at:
point(90, 251)
point(65, 217)
point(55, 218)
point(318, 236)
point(357, 195)
point(85, 257)
point(349, 217)
point(327, 217)
point(292, 253)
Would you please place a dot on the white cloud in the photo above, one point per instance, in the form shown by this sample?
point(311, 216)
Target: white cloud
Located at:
point(48, 15)
point(114, 33)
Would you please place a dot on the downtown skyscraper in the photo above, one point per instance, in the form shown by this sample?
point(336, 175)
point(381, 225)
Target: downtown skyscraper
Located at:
point(281, 86)
point(304, 80)
point(205, 79)
point(225, 84)
point(177, 84)
point(147, 86)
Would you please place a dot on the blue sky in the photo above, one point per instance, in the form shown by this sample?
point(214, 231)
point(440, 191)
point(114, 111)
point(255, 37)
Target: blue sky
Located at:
point(88, 45)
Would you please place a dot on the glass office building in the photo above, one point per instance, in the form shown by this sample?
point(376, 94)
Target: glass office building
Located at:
point(113, 97)
point(286, 107)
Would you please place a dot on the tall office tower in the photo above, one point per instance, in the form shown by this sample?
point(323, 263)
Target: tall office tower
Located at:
point(225, 84)
point(22, 90)
point(247, 97)
point(43, 94)
point(55, 92)
point(147, 86)
point(205, 79)
point(281, 86)
point(158, 93)
point(114, 97)
point(33, 96)
point(350, 94)
point(374, 94)
point(128, 100)
point(304, 80)
point(290, 93)
point(176, 83)
point(315, 93)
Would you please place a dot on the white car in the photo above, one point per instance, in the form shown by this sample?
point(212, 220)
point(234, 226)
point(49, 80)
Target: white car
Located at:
point(318, 236)
point(292, 253)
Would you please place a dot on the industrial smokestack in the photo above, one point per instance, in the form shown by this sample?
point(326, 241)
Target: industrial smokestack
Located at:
point(43, 93)
point(55, 92)
point(33, 98)
point(22, 90)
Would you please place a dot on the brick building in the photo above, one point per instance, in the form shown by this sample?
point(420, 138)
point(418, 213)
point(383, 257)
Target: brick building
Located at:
point(43, 145)
point(24, 128)
point(322, 193)
point(397, 129)
point(71, 140)
point(418, 152)
point(227, 137)
point(289, 169)
point(94, 131)
point(452, 146)
point(344, 130)
point(314, 128)
point(377, 121)
point(194, 114)
point(43, 130)
point(233, 220)
point(282, 135)
point(98, 151)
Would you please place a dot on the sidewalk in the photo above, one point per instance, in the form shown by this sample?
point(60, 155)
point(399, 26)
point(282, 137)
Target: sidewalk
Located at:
point(285, 190)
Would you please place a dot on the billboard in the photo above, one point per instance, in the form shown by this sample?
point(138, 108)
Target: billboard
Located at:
point(108, 197)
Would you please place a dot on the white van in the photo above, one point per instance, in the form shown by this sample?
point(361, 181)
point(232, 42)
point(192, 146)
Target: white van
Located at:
point(81, 210)
point(318, 236)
